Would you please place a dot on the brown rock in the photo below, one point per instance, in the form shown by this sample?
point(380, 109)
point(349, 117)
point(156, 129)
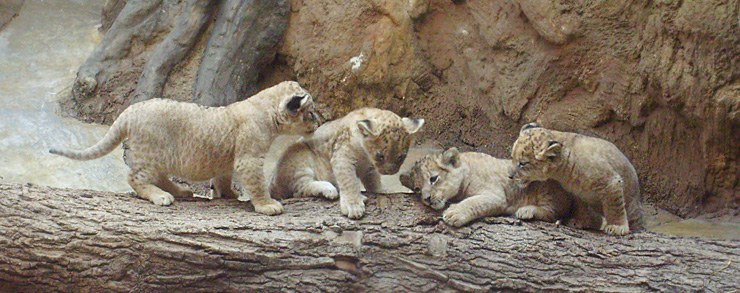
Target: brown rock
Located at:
point(659, 79)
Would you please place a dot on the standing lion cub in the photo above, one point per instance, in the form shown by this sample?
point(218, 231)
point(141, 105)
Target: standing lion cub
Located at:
point(194, 142)
point(481, 183)
point(343, 155)
point(602, 180)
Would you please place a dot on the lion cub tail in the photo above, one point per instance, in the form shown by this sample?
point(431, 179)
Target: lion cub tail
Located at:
point(110, 141)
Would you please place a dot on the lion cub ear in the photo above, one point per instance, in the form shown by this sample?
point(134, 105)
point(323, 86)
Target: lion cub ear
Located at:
point(412, 125)
point(450, 159)
point(368, 127)
point(552, 151)
point(296, 102)
point(529, 126)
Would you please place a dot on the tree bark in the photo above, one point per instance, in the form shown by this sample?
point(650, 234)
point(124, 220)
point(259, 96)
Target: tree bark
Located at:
point(71, 240)
point(244, 41)
point(230, 43)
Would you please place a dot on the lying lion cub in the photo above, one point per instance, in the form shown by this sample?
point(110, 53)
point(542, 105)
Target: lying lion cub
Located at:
point(482, 184)
point(343, 155)
point(194, 142)
point(602, 180)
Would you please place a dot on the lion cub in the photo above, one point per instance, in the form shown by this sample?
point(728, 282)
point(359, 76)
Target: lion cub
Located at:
point(481, 183)
point(194, 142)
point(602, 180)
point(343, 155)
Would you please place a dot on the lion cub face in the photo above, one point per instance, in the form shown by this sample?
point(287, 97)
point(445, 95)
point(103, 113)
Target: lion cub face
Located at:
point(535, 154)
point(297, 112)
point(436, 178)
point(386, 142)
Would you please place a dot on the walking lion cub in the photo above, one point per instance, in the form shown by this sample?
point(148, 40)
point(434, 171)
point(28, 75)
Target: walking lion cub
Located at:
point(166, 137)
point(600, 177)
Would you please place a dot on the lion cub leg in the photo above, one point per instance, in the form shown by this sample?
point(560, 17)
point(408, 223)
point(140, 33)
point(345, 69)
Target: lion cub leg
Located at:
point(584, 216)
point(249, 170)
point(533, 212)
point(370, 179)
point(143, 182)
point(351, 200)
point(170, 187)
point(221, 187)
point(474, 207)
point(613, 205)
point(305, 185)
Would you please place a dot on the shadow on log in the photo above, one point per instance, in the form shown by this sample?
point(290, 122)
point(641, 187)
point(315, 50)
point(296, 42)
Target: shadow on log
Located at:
point(60, 239)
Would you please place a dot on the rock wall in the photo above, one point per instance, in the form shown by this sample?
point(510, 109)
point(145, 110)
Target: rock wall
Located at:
point(657, 78)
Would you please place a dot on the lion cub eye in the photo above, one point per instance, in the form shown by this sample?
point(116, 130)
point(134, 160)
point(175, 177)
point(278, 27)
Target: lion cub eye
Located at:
point(380, 157)
point(433, 179)
point(522, 164)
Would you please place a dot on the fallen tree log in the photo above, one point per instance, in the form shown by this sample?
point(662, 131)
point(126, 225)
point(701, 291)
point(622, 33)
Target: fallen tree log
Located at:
point(61, 239)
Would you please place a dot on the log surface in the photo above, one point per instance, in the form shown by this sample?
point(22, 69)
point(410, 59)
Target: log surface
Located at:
point(73, 240)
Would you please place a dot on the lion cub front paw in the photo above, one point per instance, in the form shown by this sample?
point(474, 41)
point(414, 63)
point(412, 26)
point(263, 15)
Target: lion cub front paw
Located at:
point(352, 208)
point(456, 216)
point(526, 212)
point(162, 199)
point(268, 207)
point(325, 189)
point(617, 229)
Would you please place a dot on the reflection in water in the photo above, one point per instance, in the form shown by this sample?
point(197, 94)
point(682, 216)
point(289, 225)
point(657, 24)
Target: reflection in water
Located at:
point(695, 227)
point(40, 51)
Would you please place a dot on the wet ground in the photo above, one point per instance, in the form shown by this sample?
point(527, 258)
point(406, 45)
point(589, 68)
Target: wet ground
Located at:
point(40, 51)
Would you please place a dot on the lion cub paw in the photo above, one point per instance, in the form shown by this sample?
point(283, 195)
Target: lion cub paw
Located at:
point(162, 199)
point(353, 209)
point(456, 216)
point(526, 212)
point(269, 207)
point(617, 229)
point(325, 189)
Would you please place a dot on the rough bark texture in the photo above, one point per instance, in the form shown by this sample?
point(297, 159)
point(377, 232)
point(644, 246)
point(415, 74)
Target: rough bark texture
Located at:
point(657, 78)
point(242, 44)
point(71, 240)
point(207, 51)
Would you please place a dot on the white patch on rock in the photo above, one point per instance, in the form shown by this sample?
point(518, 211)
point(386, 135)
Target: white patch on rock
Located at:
point(356, 61)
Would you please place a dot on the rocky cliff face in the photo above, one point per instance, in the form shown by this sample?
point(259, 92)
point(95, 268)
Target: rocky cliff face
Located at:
point(657, 78)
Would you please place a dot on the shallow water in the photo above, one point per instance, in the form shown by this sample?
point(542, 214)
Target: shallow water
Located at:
point(40, 52)
point(696, 227)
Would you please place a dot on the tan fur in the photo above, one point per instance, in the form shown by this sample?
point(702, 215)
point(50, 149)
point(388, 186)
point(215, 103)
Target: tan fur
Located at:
point(194, 142)
point(343, 155)
point(600, 177)
point(481, 183)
